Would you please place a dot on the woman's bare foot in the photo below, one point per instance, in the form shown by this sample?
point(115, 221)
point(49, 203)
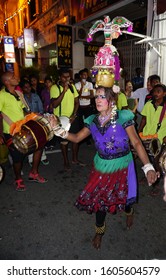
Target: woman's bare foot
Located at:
point(96, 241)
point(129, 221)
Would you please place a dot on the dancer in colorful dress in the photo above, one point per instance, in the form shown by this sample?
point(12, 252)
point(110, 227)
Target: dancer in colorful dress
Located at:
point(112, 185)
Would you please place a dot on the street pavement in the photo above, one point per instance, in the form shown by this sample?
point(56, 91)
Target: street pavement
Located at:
point(43, 223)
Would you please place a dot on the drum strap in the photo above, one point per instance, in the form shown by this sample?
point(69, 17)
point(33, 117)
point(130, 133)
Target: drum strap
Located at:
point(72, 90)
point(23, 100)
point(161, 117)
point(60, 111)
point(6, 118)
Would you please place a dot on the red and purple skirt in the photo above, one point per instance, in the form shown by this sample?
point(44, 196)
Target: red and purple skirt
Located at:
point(106, 192)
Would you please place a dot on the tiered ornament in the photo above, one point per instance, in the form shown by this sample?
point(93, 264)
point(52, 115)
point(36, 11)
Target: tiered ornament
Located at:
point(106, 67)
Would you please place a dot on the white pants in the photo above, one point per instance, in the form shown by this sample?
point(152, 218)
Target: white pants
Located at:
point(43, 157)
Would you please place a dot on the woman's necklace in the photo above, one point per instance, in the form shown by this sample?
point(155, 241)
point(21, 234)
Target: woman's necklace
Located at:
point(111, 116)
point(104, 119)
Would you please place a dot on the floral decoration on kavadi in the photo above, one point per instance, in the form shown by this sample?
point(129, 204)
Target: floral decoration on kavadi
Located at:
point(106, 67)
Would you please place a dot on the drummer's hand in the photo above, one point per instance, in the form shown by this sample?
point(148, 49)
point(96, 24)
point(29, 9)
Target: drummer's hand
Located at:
point(1, 139)
point(60, 132)
point(54, 120)
point(152, 176)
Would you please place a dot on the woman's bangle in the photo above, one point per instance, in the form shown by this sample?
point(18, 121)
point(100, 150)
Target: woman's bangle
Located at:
point(147, 167)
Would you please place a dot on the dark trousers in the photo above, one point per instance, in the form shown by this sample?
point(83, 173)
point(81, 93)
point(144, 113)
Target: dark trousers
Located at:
point(100, 216)
point(83, 113)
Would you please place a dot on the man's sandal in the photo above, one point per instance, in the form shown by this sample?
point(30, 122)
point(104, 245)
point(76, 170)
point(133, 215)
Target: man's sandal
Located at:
point(36, 178)
point(20, 187)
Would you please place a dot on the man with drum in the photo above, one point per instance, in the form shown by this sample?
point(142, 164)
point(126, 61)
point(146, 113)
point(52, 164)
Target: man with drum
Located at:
point(153, 125)
point(12, 110)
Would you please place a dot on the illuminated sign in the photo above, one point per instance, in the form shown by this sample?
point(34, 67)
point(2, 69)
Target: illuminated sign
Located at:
point(9, 49)
point(64, 46)
point(91, 50)
point(29, 43)
point(20, 42)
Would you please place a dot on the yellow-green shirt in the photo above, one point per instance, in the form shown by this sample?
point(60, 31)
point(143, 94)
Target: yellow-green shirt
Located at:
point(67, 103)
point(11, 107)
point(152, 119)
point(122, 101)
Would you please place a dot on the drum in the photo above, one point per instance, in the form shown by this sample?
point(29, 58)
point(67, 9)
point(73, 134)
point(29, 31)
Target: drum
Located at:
point(33, 135)
point(58, 122)
point(64, 122)
point(162, 160)
point(2, 173)
point(152, 146)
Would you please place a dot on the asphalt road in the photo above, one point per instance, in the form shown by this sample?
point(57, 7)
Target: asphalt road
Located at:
point(43, 224)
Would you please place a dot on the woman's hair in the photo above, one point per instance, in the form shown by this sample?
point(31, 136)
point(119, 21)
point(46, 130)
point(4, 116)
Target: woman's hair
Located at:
point(109, 93)
point(128, 81)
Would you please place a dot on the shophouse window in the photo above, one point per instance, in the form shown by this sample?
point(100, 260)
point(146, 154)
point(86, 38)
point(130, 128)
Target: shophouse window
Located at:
point(53, 57)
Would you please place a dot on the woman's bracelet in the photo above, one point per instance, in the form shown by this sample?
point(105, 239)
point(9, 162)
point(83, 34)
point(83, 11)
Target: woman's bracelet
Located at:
point(147, 167)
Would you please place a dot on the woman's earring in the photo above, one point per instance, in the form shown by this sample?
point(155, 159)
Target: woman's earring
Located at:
point(114, 112)
point(113, 107)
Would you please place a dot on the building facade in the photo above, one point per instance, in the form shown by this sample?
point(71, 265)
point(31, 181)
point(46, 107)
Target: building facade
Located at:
point(43, 17)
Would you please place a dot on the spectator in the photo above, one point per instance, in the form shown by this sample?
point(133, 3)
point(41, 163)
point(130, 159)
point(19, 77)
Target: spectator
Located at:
point(138, 80)
point(154, 80)
point(36, 86)
point(140, 94)
point(89, 79)
point(35, 104)
point(153, 123)
point(132, 102)
point(85, 90)
point(122, 101)
point(64, 100)
point(76, 78)
point(45, 95)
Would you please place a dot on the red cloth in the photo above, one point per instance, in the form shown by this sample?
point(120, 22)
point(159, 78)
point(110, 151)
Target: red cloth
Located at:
point(104, 192)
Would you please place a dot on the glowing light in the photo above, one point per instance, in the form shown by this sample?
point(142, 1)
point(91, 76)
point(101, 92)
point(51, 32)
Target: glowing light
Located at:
point(24, 5)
